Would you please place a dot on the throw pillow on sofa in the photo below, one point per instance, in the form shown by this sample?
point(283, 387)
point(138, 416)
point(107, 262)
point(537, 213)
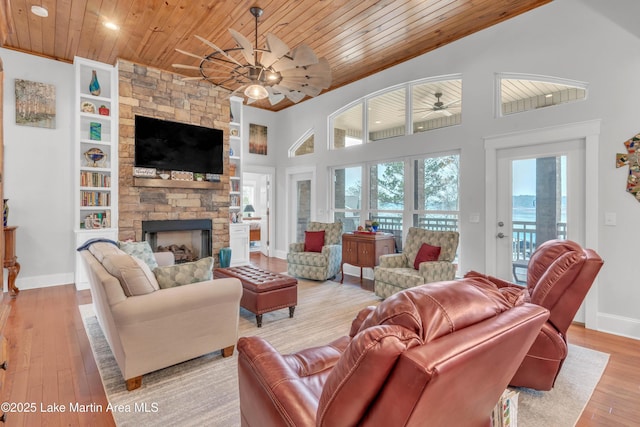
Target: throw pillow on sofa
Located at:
point(185, 273)
point(140, 250)
point(313, 241)
point(134, 275)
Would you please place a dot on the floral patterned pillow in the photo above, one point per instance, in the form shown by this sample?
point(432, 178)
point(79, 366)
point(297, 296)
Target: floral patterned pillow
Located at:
point(183, 274)
point(140, 250)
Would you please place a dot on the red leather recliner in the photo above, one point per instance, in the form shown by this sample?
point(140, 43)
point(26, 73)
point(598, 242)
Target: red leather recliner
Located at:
point(436, 354)
point(559, 275)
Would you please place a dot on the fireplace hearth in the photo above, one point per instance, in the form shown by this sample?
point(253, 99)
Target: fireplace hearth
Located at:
point(188, 239)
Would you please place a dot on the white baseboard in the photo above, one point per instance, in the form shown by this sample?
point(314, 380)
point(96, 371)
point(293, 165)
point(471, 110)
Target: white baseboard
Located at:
point(45, 281)
point(619, 325)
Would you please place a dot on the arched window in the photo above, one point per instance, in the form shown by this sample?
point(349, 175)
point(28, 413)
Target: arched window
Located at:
point(304, 145)
point(412, 107)
point(523, 92)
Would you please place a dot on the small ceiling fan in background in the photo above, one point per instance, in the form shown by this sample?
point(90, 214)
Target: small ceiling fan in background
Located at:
point(437, 107)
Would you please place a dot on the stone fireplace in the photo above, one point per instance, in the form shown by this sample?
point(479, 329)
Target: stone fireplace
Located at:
point(154, 93)
point(189, 239)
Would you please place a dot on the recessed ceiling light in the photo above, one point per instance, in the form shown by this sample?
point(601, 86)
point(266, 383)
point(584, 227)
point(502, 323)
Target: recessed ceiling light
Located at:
point(39, 11)
point(110, 25)
point(549, 95)
point(378, 122)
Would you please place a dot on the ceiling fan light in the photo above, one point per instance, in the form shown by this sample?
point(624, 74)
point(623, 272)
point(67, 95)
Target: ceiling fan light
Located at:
point(256, 92)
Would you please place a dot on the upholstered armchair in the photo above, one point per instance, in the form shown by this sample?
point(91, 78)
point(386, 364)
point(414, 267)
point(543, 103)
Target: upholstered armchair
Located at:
point(559, 275)
point(434, 355)
point(401, 271)
point(321, 259)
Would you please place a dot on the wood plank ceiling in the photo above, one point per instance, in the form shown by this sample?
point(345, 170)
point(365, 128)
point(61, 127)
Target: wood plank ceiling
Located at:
point(357, 37)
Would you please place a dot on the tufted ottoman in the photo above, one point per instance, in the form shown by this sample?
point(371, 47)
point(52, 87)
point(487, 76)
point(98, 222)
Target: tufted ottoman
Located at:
point(263, 291)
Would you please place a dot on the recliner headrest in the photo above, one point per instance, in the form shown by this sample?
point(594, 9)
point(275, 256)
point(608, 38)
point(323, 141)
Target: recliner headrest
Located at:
point(439, 308)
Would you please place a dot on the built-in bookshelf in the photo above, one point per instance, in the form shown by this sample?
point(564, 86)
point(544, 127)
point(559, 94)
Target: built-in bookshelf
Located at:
point(235, 159)
point(238, 231)
point(96, 155)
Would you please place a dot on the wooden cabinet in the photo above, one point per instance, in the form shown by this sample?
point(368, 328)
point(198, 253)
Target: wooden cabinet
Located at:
point(364, 250)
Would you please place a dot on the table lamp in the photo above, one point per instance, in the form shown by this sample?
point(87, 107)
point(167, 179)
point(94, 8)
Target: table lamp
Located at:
point(249, 209)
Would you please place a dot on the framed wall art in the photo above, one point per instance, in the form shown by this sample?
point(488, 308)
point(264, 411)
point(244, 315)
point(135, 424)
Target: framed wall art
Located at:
point(35, 104)
point(257, 139)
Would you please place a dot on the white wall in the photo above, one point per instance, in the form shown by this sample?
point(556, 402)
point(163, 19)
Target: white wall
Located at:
point(38, 178)
point(562, 39)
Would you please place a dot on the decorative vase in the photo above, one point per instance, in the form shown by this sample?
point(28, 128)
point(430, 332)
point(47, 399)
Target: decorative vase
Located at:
point(5, 212)
point(94, 86)
point(374, 228)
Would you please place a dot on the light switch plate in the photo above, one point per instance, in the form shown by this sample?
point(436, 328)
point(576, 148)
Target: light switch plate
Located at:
point(610, 218)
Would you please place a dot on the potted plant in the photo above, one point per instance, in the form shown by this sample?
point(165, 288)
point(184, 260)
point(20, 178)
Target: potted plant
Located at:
point(103, 110)
point(375, 225)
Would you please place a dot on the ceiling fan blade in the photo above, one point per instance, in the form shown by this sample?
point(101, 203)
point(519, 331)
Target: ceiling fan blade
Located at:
point(295, 96)
point(303, 55)
point(284, 63)
point(217, 49)
point(193, 55)
point(301, 87)
point(427, 115)
point(277, 49)
point(274, 97)
point(186, 67)
point(446, 113)
point(245, 44)
point(320, 72)
point(292, 95)
point(451, 103)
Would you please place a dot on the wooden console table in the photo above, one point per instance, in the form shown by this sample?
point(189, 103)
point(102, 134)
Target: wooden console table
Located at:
point(364, 250)
point(10, 259)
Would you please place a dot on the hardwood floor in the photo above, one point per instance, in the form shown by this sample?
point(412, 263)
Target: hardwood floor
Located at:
point(50, 362)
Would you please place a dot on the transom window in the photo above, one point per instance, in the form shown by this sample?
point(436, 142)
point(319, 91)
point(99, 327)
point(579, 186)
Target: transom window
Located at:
point(413, 107)
point(304, 145)
point(524, 92)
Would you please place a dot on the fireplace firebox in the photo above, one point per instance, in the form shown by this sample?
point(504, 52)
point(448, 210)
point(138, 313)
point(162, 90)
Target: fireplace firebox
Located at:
point(172, 228)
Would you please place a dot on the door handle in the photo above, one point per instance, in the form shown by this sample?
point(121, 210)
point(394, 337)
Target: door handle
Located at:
point(501, 235)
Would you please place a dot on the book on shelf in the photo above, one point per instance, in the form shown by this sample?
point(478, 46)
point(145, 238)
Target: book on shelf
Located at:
point(95, 198)
point(94, 179)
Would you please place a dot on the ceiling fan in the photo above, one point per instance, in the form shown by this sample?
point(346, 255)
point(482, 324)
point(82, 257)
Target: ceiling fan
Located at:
point(437, 107)
point(275, 72)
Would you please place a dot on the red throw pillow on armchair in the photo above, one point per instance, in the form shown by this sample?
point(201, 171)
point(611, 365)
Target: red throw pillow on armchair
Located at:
point(426, 253)
point(313, 241)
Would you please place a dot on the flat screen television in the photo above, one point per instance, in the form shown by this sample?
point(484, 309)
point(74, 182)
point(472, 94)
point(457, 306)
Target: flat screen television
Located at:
point(163, 144)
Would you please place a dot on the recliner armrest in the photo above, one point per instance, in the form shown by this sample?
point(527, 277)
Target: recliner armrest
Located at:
point(500, 283)
point(296, 247)
point(393, 261)
point(271, 383)
point(328, 250)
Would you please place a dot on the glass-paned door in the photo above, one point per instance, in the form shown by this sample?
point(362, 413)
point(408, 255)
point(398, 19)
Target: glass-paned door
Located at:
point(301, 204)
point(540, 198)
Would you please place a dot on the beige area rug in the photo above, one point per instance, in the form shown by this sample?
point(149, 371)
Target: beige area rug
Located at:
point(204, 391)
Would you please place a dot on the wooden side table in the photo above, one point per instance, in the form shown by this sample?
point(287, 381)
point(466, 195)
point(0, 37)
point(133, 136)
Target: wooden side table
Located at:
point(364, 249)
point(10, 259)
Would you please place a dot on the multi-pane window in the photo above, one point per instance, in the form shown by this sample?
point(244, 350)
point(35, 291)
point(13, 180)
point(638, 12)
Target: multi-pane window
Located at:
point(347, 198)
point(417, 192)
point(435, 103)
point(387, 196)
point(435, 197)
point(347, 127)
point(386, 115)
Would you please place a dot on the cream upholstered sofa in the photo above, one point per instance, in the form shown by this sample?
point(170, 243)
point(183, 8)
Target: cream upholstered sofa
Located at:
point(149, 328)
point(397, 272)
point(317, 265)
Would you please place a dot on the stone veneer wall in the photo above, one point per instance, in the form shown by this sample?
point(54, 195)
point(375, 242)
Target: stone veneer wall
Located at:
point(160, 94)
